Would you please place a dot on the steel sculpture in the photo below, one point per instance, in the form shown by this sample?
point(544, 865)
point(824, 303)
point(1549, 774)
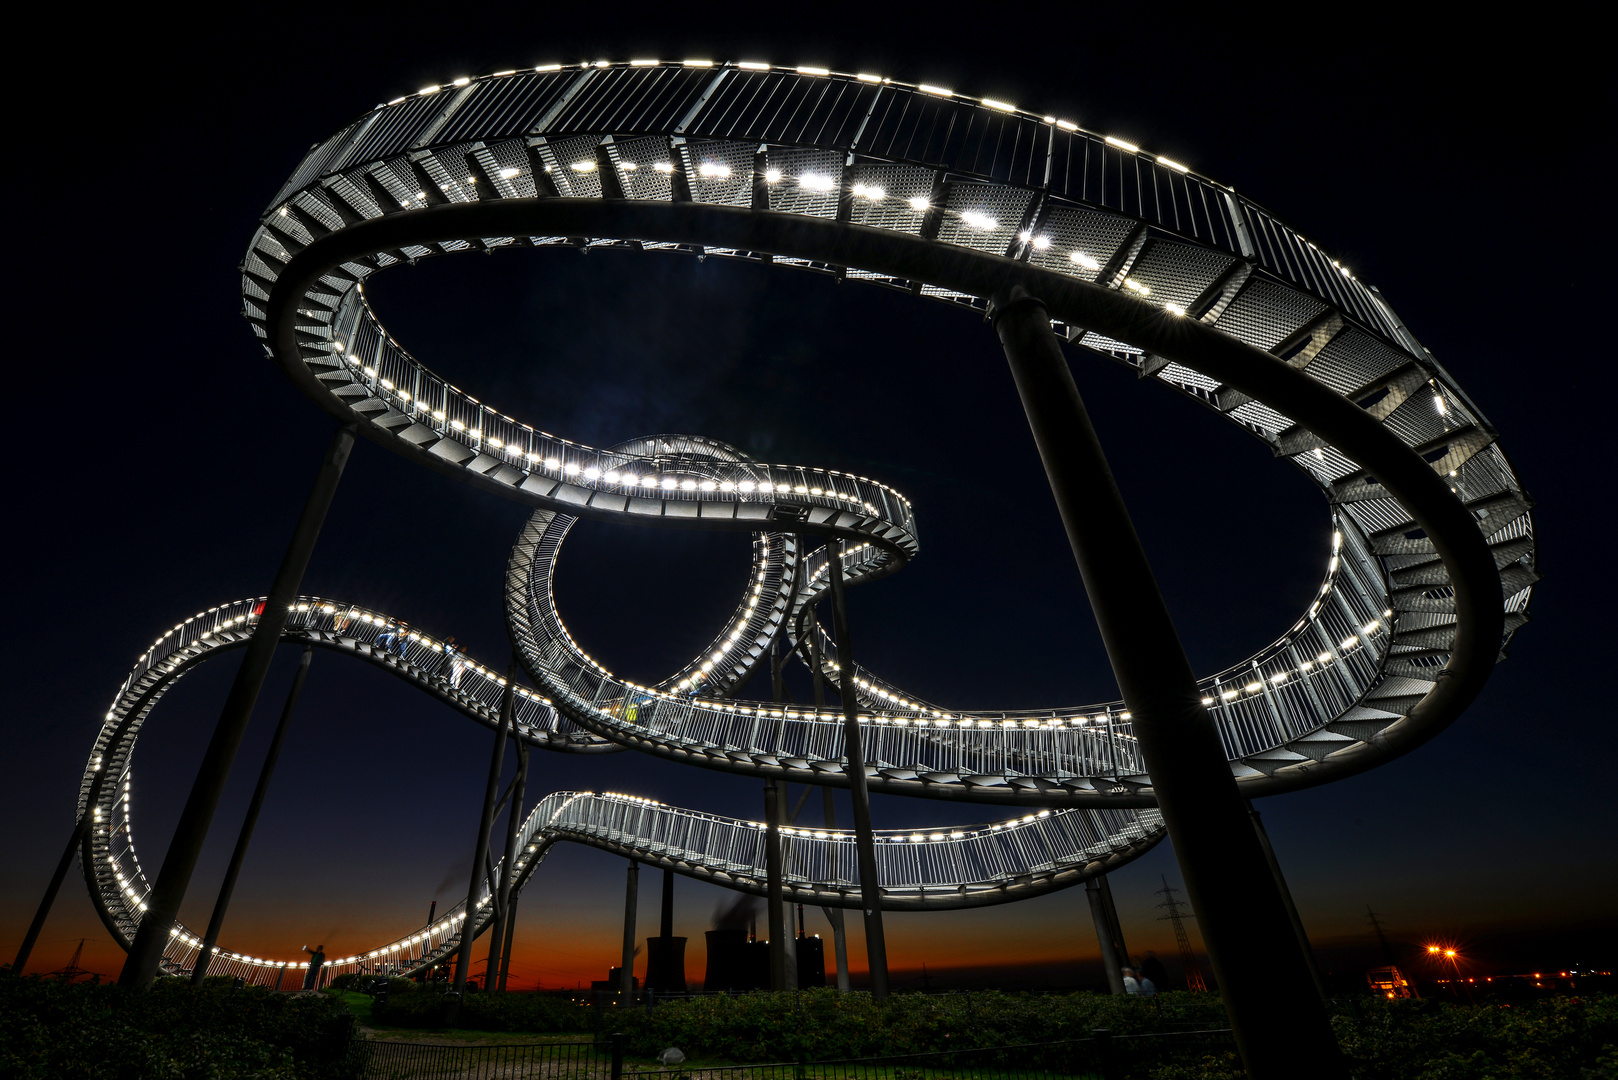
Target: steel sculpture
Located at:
point(1126, 253)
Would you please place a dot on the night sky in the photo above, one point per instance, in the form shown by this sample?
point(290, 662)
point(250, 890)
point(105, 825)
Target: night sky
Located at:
point(157, 463)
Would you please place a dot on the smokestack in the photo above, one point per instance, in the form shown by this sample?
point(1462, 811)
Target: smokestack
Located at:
point(432, 909)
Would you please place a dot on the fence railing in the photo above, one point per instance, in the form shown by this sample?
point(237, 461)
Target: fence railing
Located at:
point(1101, 1056)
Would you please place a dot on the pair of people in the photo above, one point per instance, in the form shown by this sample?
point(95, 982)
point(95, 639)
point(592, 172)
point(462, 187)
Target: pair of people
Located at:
point(451, 663)
point(393, 637)
point(1137, 983)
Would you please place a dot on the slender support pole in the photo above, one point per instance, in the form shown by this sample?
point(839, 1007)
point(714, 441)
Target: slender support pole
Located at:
point(772, 879)
point(163, 904)
point(508, 874)
point(876, 945)
point(511, 929)
point(1286, 896)
point(217, 920)
point(1109, 955)
point(1278, 1021)
point(626, 975)
point(1111, 909)
point(665, 924)
point(811, 638)
point(480, 850)
point(80, 831)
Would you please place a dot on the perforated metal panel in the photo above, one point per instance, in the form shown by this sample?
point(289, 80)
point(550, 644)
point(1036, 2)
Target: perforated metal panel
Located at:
point(1003, 206)
point(1354, 359)
point(507, 106)
point(1266, 312)
point(575, 166)
point(1091, 236)
point(1178, 273)
point(899, 184)
point(721, 172)
point(638, 168)
point(809, 182)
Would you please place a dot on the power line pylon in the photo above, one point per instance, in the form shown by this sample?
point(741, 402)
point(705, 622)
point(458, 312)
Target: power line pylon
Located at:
point(73, 970)
point(1188, 959)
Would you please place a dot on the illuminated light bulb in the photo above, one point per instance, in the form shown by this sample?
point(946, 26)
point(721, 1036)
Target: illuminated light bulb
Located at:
point(438, 414)
point(1279, 679)
point(1067, 125)
point(668, 483)
point(975, 220)
point(429, 90)
point(708, 485)
point(664, 167)
point(1174, 309)
point(727, 485)
point(806, 69)
point(816, 182)
point(1228, 694)
point(1003, 106)
point(687, 485)
point(628, 166)
point(592, 473)
point(1207, 701)
point(457, 425)
point(611, 477)
point(697, 63)
point(644, 63)
point(1122, 144)
point(752, 65)
point(713, 170)
point(1041, 243)
point(940, 91)
point(1348, 643)
point(1175, 165)
point(1084, 260)
point(583, 166)
point(920, 204)
point(552, 463)
point(772, 176)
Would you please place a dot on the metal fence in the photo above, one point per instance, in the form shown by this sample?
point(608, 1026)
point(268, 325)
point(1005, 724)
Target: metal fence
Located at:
point(1101, 1056)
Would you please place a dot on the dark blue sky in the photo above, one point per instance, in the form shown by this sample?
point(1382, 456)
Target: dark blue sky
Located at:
point(158, 461)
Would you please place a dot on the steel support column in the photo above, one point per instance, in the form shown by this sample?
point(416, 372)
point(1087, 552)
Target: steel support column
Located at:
point(1286, 896)
point(1109, 954)
point(772, 884)
point(626, 974)
point(1111, 909)
point(499, 936)
point(511, 929)
point(810, 639)
point(163, 903)
point(1277, 1019)
point(80, 831)
point(876, 946)
point(480, 850)
point(217, 920)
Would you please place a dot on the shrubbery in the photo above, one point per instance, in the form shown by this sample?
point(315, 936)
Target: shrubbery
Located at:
point(53, 1030)
point(1550, 1039)
point(823, 1024)
point(427, 1008)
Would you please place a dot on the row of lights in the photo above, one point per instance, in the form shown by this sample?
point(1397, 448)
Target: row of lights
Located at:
point(815, 71)
point(626, 480)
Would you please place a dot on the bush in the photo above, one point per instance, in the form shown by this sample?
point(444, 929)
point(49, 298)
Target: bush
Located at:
point(55, 1030)
point(1429, 1040)
point(822, 1024)
point(541, 1013)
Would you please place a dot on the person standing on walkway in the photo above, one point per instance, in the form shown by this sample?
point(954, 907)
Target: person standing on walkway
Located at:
point(317, 960)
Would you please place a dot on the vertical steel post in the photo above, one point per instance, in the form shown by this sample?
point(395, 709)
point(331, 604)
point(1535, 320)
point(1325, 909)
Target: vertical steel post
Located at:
point(1280, 1027)
point(498, 937)
point(163, 903)
point(772, 885)
point(1286, 896)
point(1109, 954)
point(480, 850)
point(511, 930)
point(834, 915)
point(876, 946)
point(1111, 909)
point(626, 975)
point(217, 920)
